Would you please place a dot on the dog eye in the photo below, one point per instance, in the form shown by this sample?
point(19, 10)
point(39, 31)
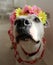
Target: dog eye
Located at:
point(36, 19)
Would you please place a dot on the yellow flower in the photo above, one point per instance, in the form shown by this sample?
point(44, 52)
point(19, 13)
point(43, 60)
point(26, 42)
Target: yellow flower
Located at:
point(18, 12)
point(43, 17)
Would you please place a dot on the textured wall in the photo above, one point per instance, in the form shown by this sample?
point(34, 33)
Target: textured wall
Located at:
point(6, 5)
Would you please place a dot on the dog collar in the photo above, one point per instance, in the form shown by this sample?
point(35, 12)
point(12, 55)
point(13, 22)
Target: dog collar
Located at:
point(31, 54)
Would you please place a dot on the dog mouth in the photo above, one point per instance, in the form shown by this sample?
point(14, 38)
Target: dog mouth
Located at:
point(25, 37)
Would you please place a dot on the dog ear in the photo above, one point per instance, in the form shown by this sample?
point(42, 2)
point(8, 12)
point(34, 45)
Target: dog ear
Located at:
point(47, 23)
point(48, 15)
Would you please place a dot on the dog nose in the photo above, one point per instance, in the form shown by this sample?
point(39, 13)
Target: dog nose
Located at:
point(27, 23)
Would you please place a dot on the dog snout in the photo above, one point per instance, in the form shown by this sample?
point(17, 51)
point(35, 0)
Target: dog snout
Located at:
point(22, 31)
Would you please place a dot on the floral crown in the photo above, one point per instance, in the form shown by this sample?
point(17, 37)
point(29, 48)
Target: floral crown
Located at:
point(29, 10)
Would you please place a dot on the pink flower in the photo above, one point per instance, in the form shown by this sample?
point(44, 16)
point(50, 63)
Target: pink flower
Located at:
point(27, 9)
point(12, 17)
point(31, 10)
point(36, 10)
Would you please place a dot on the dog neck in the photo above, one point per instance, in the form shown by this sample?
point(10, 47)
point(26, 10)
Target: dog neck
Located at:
point(29, 46)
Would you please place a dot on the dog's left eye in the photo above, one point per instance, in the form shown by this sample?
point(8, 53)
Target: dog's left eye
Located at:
point(36, 19)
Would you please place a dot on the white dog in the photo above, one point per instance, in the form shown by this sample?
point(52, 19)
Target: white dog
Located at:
point(28, 32)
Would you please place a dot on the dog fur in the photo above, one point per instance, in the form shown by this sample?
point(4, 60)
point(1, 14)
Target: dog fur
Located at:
point(35, 30)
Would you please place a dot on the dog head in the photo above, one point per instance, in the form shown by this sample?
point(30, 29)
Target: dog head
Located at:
point(29, 27)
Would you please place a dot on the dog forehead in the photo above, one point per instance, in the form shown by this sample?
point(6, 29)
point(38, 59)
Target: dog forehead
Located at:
point(22, 17)
point(29, 16)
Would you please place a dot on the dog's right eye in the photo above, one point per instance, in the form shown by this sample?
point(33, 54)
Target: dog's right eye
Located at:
point(36, 20)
